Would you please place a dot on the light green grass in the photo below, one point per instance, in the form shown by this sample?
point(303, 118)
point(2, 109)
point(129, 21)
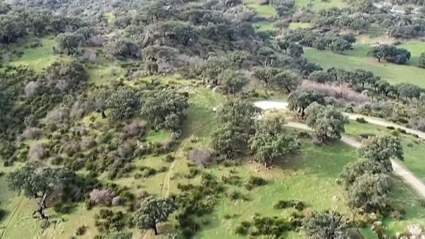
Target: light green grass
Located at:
point(262, 10)
point(311, 178)
point(300, 25)
point(160, 136)
point(356, 58)
point(317, 5)
point(265, 26)
point(38, 57)
point(415, 48)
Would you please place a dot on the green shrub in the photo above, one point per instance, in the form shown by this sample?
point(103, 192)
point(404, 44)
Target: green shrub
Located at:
point(361, 120)
point(403, 131)
point(241, 230)
point(81, 230)
point(232, 180)
point(254, 182)
point(402, 120)
point(147, 171)
point(3, 214)
point(193, 172)
point(169, 158)
point(390, 127)
point(233, 195)
point(395, 133)
point(282, 204)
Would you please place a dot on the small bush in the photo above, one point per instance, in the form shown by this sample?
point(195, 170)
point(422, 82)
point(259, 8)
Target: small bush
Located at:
point(255, 182)
point(403, 131)
point(241, 230)
point(410, 145)
point(233, 195)
point(81, 230)
point(402, 120)
point(3, 214)
point(193, 172)
point(147, 171)
point(169, 158)
point(395, 133)
point(390, 128)
point(361, 120)
point(232, 180)
point(282, 204)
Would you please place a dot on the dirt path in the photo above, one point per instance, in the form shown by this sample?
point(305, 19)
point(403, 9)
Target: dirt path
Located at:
point(399, 170)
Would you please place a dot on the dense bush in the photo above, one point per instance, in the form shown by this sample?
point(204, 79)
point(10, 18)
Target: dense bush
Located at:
point(254, 182)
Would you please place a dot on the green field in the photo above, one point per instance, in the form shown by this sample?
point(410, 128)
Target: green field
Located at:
point(357, 58)
point(38, 57)
point(317, 5)
point(262, 10)
point(265, 26)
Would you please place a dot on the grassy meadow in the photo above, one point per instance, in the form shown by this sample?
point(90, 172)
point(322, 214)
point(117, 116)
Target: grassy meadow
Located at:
point(357, 58)
point(316, 5)
point(266, 11)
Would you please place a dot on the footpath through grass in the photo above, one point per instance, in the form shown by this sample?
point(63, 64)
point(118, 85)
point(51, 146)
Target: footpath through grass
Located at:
point(414, 148)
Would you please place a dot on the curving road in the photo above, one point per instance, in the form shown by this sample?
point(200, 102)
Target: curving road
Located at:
point(399, 170)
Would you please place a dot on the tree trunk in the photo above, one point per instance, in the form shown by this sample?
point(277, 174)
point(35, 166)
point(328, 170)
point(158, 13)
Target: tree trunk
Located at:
point(379, 59)
point(287, 89)
point(103, 114)
point(155, 229)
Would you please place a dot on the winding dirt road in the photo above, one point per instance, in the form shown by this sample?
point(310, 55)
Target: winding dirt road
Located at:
point(399, 170)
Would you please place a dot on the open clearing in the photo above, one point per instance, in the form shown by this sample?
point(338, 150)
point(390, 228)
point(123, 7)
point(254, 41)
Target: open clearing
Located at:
point(317, 5)
point(262, 10)
point(356, 58)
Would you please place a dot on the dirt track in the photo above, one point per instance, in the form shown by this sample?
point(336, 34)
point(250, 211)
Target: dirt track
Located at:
point(399, 170)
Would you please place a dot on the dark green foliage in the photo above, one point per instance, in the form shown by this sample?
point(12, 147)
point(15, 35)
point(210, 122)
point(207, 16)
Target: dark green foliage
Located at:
point(356, 169)
point(327, 224)
point(327, 122)
point(237, 124)
point(154, 211)
point(125, 49)
point(271, 141)
point(195, 201)
point(69, 42)
point(232, 180)
point(108, 221)
point(243, 228)
point(81, 230)
point(193, 172)
point(147, 171)
point(382, 149)
point(254, 182)
point(282, 204)
point(268, 226)
point(165, 109)
point(361, 120)
point(3, 214)
point(421, 60)
point(371, 193)
point(390, 54)
point(299, 100)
